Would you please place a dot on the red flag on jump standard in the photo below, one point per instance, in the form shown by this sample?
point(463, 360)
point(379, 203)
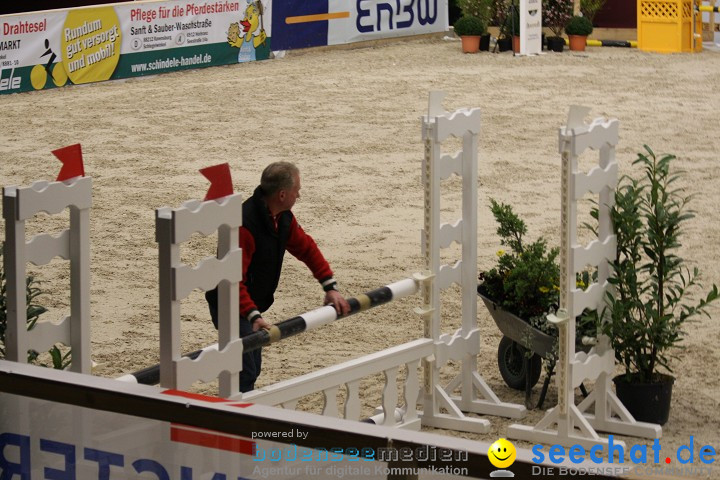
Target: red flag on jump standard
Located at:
point(220, 181)
point(71, 158)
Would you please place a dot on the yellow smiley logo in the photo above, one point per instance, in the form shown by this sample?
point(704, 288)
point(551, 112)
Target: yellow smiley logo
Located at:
point(502, 453)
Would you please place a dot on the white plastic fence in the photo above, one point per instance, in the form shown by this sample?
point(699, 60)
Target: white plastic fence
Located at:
point(21, 204)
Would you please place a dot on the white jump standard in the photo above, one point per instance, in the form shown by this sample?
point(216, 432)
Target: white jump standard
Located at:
point(573, 424)
point(463, 345)
point(21, 204)
point(177, 281)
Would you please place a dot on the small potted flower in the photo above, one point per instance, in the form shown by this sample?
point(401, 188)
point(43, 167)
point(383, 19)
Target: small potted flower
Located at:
point(481, 9)
point(507, 18)
point(578, 29)
point(469, 29)
point(556, 14)
point(500, 13)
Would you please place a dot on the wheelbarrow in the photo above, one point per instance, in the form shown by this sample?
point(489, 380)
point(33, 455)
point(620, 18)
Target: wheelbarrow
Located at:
point(519, 368)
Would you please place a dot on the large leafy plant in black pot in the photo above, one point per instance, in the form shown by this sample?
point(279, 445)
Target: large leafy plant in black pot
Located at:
point(650, 303)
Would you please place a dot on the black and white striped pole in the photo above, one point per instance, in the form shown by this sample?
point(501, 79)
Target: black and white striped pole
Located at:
point(302, 323)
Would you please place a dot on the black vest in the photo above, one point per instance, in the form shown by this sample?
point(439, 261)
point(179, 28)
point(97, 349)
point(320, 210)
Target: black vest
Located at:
point(263, 273)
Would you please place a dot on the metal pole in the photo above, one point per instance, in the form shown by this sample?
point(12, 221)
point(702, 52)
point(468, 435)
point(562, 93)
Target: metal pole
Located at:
point(295, 325)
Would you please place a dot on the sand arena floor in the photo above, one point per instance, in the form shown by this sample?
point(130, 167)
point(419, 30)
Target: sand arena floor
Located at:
point(350, 119)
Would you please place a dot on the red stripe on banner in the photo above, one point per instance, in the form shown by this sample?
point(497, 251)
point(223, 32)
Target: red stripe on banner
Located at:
point(212, 440)
point(205, 398)
point(182, 426)
point(195, 396)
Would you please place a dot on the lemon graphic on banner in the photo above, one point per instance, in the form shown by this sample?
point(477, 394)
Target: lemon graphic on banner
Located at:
point(90, 44)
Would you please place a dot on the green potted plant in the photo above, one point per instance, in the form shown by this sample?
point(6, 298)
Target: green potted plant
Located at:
point(481, 9)
point(556, 14)
point(500, 11)
point(507, 18)
point(578, 29)
point(525, 278)
point(519, 292)
point(469, 29)
point(60, 360)
point(646, 314)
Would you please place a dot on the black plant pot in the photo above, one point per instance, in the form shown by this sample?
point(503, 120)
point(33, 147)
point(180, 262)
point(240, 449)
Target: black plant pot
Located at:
point(555, 44)
point(504, 44)
point(647, 402)
point(485, 42)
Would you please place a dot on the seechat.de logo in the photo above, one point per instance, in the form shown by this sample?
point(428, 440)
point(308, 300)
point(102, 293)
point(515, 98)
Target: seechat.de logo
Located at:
point(502, 454)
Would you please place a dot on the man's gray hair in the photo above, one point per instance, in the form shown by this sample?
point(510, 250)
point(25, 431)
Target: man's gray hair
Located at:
point(278, 176)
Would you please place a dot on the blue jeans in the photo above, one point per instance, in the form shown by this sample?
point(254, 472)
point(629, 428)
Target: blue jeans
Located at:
point(252, 361)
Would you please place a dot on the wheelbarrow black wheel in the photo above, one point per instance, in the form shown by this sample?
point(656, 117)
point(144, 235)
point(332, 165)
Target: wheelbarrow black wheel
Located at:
point(511, 361)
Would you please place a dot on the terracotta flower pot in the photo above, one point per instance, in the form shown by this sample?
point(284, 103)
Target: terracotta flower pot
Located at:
point(516, 43)
point(577, 42)
point(470, 43)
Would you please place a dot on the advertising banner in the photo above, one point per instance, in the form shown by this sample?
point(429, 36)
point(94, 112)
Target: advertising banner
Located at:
point(376, 19)
point(46, 439)
point(84, 45)
point(299, 24)
point(91, 44)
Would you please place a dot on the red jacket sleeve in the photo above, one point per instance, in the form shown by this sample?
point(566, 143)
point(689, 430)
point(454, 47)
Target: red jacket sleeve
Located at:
point(303, 247)
point(247, 243)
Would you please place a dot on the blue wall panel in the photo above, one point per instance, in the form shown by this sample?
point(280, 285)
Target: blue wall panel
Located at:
point(298, 35)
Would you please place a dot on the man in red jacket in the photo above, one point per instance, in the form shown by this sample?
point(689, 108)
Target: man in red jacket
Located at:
point(269, 229)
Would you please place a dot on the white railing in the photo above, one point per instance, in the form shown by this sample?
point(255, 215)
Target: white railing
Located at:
point(330, 380)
